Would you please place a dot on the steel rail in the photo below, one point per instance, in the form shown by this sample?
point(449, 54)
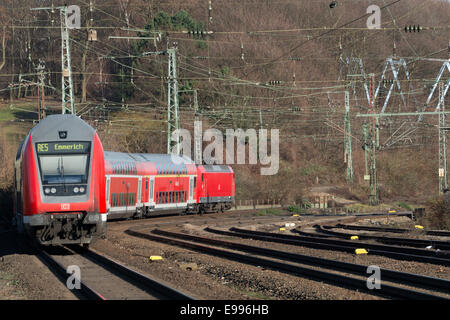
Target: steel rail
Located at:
point(395, 252)
point(329, 277)
point(443, 245)
point(142, 281)
point(394, 230)
point(145, 281)
point(86, 290)
point(417, 280)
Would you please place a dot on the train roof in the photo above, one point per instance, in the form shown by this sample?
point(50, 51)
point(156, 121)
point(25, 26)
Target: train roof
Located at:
point(48, 129)
point(147, 157)
point(216, 168)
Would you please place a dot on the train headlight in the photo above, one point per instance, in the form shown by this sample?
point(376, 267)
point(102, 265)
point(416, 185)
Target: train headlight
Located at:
point(47, 190)
point(53, 190)
point(76, 189)
point(81, 189)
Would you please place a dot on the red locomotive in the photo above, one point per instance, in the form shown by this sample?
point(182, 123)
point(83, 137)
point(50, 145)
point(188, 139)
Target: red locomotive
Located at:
point(66, 185)
point(60, 182)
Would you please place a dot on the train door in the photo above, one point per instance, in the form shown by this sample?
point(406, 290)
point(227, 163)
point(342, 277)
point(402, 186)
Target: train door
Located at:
point(151, 190)
point(139, 193)
point(108, 197)
point(191, 188)
point(205, 187)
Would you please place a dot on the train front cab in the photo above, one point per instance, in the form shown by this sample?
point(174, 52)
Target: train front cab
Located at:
point(60, 184)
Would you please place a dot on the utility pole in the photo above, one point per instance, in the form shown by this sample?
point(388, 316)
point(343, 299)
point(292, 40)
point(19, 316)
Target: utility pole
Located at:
point(443, 172)
point(197, 132)
point(348, 159)
point(41, 90)
point(372, 147)
point(173, 118)
point(197, 129)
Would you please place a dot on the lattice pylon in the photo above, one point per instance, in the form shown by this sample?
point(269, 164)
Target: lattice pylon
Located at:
point(173, 117)
point(68, 103)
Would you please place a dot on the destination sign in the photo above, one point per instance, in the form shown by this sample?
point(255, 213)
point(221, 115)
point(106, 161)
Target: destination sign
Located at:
point(63, 147)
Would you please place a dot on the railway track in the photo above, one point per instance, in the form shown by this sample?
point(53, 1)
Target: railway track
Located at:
point(241, 218)
point(294, 264)
point(102, 278)
point(395, 252)
point(441, 245)
point(440, 233)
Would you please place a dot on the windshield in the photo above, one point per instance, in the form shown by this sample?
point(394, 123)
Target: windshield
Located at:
point(63, 162)
point(64, 168)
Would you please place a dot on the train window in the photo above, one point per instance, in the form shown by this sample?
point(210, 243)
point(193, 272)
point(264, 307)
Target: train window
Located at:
point(58, 169)
point(195, 182)
point(202, 177)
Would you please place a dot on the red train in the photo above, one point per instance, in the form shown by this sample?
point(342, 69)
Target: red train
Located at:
point(140, 185)
point(67, 186)
point(60, 182)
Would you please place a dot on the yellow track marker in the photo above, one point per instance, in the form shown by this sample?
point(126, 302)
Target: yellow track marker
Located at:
point(354, 238)
point(361, 251)
point(282, 229)
point(155, 258)
point(295, 215)
point(418, 226)
point(392, 211)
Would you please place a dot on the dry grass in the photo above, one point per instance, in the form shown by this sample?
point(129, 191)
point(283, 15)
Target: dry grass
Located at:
point(437, 214)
